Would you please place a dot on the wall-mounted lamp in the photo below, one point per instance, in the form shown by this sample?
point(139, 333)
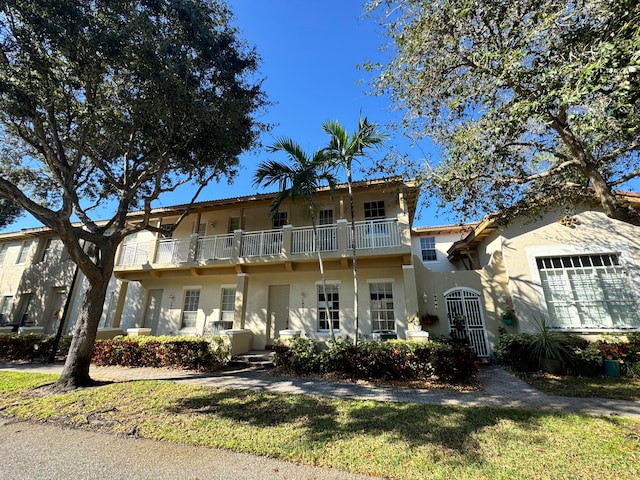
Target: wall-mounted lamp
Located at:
point(172, 297)
point(425, 297)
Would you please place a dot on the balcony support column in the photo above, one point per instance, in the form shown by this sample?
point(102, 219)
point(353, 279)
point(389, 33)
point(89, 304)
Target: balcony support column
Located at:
point(237, 244)
point(287, 235)
point(410, 293)
point(342, 237)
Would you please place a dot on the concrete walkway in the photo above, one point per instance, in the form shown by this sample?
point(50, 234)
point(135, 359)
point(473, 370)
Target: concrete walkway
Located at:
point(500, 389)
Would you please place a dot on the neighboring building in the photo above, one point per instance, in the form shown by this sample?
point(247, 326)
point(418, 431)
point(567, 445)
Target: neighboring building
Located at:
point(231, 266)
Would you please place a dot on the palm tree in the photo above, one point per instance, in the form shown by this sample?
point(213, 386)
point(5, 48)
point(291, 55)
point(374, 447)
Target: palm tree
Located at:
point(299, 181)
point(342, 151)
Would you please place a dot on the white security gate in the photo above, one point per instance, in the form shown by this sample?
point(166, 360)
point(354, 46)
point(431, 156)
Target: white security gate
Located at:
point(466, 320)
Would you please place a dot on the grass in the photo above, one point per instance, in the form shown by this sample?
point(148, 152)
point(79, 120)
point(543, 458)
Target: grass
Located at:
point(618, 388)
point(390, 440)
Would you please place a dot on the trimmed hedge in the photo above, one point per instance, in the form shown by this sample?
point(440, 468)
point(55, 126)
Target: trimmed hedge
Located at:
point(190, 353)
point(30, 347)
point(448, 360)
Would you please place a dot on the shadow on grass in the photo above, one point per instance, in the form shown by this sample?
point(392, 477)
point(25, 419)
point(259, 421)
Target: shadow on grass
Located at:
point(324, 420)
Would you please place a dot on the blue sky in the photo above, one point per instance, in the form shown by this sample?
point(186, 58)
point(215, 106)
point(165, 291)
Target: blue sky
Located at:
point(310, 51)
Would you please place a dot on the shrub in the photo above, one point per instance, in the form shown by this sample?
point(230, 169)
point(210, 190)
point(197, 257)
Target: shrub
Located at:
point(190, 353)
point(514, 350)
point(299, 355)
point(30, 346)
point(587, 361)
point(396, 359)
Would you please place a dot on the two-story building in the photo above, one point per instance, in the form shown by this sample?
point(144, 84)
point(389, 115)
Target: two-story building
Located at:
point(233, 267)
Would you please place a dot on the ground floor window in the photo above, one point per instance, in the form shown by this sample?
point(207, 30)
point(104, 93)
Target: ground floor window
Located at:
point(190, 308)
point(382, 314)
point(228, 304)
point(333, 303)
point(588, 291)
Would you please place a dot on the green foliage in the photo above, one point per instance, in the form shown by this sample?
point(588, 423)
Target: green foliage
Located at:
point(299, 355)
point(447, 360)
point(534, 102)
point(190, 353)
point(30, 347)
point(117, 102)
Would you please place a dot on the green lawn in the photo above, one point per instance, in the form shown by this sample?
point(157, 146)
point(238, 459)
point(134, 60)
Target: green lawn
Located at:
point(619, 388)
point(401, 441)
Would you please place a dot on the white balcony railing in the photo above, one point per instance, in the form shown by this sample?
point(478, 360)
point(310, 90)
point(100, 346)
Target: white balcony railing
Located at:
point(134, 253)
point(173, 250)
point(373, 234)
point(217, 247)
point(302, 240)
point(257, 244)
point(376, 234)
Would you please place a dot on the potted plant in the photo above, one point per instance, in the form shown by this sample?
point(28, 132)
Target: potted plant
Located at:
point(551, 350)
point(415, 321)
point(429, 319)
point(508, 316)
point(612, 356)
point(458, 321)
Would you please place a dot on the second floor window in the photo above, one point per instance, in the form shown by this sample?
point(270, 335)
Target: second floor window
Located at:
point(428, 248)
point(3, 252)
point(235, 223)
point(325, 217)
point(24, 252)
point(374, 210)
point(280, 220)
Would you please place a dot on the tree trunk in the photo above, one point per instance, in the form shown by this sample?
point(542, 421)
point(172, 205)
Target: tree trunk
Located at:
point(327, 309)
point(354, 259)
point(76, 368)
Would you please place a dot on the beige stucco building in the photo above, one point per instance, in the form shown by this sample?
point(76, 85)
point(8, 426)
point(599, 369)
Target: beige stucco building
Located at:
point(232, 267)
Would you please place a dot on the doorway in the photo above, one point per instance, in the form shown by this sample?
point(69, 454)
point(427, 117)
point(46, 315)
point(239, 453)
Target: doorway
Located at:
point(152, 310)
point(277, 311)
point(55, 313)
point(466, 321)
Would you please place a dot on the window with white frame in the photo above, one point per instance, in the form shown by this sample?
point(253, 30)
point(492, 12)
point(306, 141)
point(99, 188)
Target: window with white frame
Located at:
point(374, 210)
point(588, 291)
point(3, 252)
point(5, 308)
point(382, 313)
point(333, 303)
point(280, 220)
point(190, 308)
point(227, 304)
point(24, 252)
point(428, 249)
point(235, 223)
point(325, 217)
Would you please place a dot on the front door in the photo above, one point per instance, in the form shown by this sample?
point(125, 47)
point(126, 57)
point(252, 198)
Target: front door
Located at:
point(55, 312)
point(152, 312)
point(278, 311)
point(466, 320)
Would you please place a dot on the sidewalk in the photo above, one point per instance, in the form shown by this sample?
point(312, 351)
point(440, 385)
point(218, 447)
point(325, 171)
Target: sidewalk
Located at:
point(500, 389)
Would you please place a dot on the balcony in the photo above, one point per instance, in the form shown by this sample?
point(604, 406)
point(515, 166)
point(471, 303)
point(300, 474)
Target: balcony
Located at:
point(286, 244)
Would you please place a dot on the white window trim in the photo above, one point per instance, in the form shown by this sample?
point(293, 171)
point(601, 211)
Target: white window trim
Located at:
point(438, 259)
point(619, 248)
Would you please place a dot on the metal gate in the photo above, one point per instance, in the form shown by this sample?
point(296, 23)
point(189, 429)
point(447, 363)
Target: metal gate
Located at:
point(466, 320)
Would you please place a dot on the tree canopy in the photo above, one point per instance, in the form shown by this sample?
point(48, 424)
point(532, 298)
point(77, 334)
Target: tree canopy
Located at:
point(117, 101)
point(534, 102)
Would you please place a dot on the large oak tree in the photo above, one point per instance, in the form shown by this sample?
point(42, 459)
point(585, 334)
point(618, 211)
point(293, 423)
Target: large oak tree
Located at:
point(117, 101)
point(534, 102)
